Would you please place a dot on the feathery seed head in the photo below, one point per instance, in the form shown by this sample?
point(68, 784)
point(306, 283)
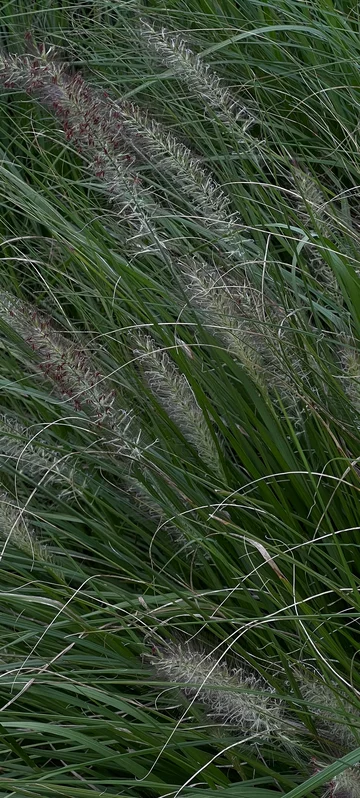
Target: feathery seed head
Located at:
point(147, 137)
point(172, 156)
point(175, 394)
point(238, 697)
point(60, 360)
point(312, 207)
point(208, 290)
point(71, 372)
point(89, 120)
point(242, 322)
point(33, 73)
point(31, 458)
point(14, 529)
point(311, 202)
point(191, 69)
point(337, 719)
point(346, 784)
point(350, 369)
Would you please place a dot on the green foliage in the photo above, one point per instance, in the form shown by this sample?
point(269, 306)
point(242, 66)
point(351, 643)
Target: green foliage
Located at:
point(180, 430)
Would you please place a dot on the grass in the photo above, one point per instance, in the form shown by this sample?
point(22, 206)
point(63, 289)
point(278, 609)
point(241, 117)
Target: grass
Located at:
point(180, 399)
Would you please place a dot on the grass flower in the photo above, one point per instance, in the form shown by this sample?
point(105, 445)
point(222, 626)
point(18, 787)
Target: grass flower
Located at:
point(350, 374)
point(73, 375)
point(176, 161)
point(175, 394)
point(336, 718)
point(239, 698)
point(209, 292)
point(174, 53)
point(112, 136)
point(61, 360)
point(311, 201)
point(30, 457)
point(14, 529)
point(172, 157)
point(236, 317)
point(347, 783)
point(312, 209)
point(89, 121)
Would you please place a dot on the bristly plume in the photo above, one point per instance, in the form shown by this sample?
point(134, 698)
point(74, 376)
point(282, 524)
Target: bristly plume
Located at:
point(312, 209)
point(209, 292)
point(235, 314)
point(60, 359)
point(350, 374)
point(149, 138)
point(346, 784)
point(90, 122)
point(311, 201)
point(239, 698)
point(30, 457)
point(112, 137)
point(175, 394)
point(72, 373)
point(336, 718)
point(15, 531)
point(174, 53)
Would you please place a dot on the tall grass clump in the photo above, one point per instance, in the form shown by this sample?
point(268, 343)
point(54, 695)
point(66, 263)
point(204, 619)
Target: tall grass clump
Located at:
point(179, 399)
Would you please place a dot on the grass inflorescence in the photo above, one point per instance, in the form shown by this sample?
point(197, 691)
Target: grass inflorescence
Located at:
point(179, 411)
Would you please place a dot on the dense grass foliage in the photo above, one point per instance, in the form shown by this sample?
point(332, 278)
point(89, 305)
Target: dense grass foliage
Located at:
point(180, 398)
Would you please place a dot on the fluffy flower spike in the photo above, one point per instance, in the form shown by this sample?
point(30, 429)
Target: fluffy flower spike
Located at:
point(239, 698)
point(196, 74)
point(312, 208)
point(336, 718)
point(175, 394)
point(32, 458)
point(90, 122)
point(14, 529)
point(72, 373)
point(346, 784)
